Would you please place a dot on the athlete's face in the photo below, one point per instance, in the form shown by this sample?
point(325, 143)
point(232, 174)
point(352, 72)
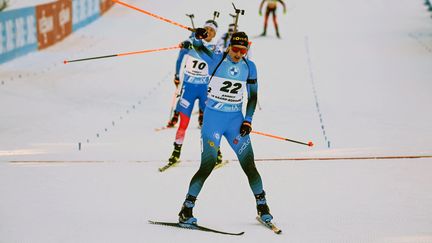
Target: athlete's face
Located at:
point(236, 52)
point(211, 33)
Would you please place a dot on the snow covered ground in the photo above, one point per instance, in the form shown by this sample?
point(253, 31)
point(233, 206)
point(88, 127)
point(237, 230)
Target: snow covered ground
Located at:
point(351, 76)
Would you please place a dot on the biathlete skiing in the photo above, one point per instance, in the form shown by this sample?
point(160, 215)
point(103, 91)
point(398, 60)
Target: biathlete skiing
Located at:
point(231, 76)
point(195, 78)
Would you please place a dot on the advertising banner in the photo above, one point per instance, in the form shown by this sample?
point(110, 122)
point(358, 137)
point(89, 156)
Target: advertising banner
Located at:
point(105, 5)
point(84, 12)
point(54, 22)
point(17, 33)
point(28, 29)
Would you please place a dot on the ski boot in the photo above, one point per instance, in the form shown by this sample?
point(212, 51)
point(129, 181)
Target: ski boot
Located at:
point(277, 34)
point(262, 207)
point(174, 119)
point(200, 118)
point(175, 156)
point(185, 214)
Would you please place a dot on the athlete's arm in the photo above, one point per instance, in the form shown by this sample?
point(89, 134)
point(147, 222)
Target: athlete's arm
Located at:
point(260, 7)
point(283, 4)
point(182, 53)
point(252, 88)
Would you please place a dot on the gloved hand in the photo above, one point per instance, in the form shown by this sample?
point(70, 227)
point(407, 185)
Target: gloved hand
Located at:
point(201, 33)
point(186, 45)
point(245, 128)
point(260, 13)
point(284, 11)
point(176, 80)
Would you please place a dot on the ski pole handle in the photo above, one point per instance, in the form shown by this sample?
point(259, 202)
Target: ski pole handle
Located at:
point(215, 15)
point(191, 16)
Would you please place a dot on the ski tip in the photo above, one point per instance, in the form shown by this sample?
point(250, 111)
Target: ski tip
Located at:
point(270, 226)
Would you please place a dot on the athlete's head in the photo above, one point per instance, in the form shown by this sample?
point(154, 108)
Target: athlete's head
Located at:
point(238, 46)
point(211, 27)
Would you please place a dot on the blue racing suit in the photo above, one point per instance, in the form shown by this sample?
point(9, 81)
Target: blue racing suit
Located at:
point(223, 115)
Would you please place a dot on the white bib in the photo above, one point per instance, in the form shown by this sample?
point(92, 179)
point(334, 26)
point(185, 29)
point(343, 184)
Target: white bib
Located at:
point(226, 91)
point(195, 67)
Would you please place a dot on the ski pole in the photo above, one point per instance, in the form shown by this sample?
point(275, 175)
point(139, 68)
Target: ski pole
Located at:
point(191, 16)
point(122, 54)
point(238, 12)
point(310, 144)
point(173, 102)
point(153, 15)
point(234, 17)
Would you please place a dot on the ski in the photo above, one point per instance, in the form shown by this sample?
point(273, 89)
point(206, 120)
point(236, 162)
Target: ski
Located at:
point(163, 128)
point(193, 227)
point(269, 225)
point(167, 166)
point(223, 163)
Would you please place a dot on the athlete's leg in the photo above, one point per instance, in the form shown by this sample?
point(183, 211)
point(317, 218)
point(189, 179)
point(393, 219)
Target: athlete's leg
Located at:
point(214, 122)
point(185, 107)
point(181, 131)
point(202, 97)
point(242, 146)
point(275, 23)
point(267, 13)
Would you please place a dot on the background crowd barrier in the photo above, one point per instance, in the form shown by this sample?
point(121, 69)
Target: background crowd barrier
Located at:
point(34, 28)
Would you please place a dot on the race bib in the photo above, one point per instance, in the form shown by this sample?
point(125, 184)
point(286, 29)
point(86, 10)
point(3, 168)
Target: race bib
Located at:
point(226, 90)
point(196, 67)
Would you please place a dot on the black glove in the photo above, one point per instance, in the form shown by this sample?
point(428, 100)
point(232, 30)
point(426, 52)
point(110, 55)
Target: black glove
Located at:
point(186, 45)
point(176, 80)
point(201, 33)
point(245, 128)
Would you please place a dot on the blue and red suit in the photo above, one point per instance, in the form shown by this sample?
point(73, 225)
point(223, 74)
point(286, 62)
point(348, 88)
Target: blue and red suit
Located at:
point(195, 77)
